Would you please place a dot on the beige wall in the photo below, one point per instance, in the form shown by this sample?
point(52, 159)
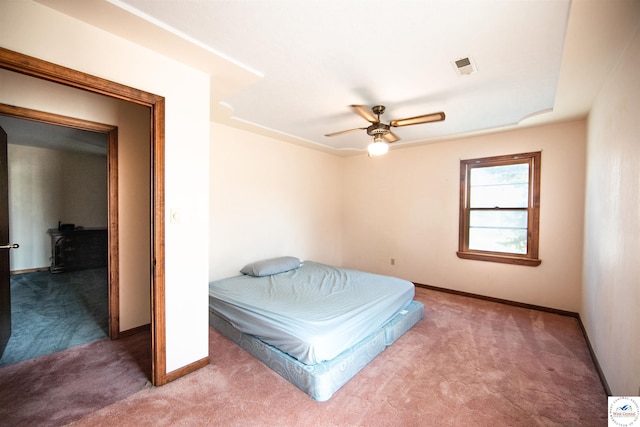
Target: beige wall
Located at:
point(134, 200)
point(611, 296)
point(270, 198)
point(47, 186)
point(405, 206)
point(39, 31)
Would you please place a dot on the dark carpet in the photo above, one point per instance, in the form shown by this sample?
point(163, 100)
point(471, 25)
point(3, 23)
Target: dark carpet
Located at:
point(53, 312)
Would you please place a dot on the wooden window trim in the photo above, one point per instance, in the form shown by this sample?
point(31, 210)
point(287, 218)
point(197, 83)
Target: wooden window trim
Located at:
point(533, 224)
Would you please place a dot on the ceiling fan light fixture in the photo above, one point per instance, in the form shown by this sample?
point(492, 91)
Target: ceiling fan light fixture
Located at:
point(378, 147)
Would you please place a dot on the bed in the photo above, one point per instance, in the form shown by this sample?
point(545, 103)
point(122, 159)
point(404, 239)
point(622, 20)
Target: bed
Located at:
point(314, 324)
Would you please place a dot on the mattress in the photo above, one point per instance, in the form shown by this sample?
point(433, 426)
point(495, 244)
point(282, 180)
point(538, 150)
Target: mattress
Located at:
point(322, 380)
point(312, 313)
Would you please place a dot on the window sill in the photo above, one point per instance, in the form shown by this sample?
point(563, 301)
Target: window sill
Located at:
point(505, 259)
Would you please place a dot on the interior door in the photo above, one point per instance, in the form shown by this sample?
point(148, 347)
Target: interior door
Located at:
point(5, 290)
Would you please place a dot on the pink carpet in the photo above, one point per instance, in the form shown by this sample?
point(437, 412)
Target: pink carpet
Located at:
point(56, 389)
point(468, 363)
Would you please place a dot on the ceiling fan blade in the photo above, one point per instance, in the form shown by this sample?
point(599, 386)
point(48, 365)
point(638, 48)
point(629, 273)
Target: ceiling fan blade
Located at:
point(344, 131)
point(390, 137)
point(364, 112)
point(427, 118)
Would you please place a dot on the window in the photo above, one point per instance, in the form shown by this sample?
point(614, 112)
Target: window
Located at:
point(499, 209)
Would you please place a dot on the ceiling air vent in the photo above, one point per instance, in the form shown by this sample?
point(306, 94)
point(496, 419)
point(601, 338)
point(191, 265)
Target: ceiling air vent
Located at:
point(465, 66)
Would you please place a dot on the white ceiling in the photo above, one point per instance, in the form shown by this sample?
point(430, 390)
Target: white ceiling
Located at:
point(43, 135)
point(291, 68)
point(318, 57)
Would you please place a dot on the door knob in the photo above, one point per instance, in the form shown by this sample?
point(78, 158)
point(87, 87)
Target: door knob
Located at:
point(10, 246)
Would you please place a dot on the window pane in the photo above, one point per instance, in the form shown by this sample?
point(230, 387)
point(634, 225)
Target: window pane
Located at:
point(498, 231)
point(503, 186)
point(499, 209)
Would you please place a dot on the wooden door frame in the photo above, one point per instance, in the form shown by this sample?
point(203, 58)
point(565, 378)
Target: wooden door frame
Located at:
point(112, 193)
point(15, 61)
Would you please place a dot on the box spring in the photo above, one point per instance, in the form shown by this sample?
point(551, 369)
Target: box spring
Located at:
point(322, 380)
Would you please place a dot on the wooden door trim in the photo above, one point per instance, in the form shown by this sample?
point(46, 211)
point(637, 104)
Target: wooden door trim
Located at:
point(35, 67)
point(114, 239)
point(112, 191)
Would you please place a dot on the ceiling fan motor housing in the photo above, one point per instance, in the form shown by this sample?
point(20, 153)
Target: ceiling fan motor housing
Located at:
point(377, 128)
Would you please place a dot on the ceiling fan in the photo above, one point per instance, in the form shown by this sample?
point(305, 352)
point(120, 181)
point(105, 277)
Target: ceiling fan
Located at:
point(381, 132)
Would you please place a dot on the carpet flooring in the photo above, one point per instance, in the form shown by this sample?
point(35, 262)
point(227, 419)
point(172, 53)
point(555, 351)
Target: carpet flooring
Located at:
point(469, 362)
point(59, 388)
point(53, 312)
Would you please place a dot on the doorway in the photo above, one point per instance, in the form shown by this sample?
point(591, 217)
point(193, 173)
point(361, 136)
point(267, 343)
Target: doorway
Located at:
point(60, 172)
point(17, 62)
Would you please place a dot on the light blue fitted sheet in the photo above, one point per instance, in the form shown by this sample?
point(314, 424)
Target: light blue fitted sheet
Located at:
point(312, 313)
